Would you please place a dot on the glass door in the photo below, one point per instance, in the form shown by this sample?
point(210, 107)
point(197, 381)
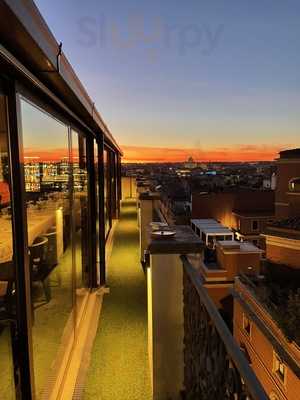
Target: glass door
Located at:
point(7, 292)
point(80, 221)
point(97, 191)
point(49, 202)
point(107, 191)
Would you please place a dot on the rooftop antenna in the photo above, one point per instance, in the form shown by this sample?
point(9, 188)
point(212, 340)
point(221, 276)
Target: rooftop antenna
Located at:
point(58, 56)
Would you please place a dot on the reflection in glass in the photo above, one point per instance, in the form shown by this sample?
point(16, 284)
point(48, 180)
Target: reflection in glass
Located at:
point(7, 300)
point(113, 190)
point(48, 181)
point(80, 216)
point(97, 190)
point(107, 202)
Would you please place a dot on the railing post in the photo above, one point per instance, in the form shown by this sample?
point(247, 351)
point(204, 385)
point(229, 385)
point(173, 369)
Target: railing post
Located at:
point(165, 311)
point(146, 205)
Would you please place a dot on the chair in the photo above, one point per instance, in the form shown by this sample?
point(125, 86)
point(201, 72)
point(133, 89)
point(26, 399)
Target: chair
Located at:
point(51, 256)
point(39, 268)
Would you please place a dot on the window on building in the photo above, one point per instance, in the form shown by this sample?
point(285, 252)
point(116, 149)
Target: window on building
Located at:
point(279, 367)
point(247, 325)
point(255, 242)
point(254, 225)
point(294, 185)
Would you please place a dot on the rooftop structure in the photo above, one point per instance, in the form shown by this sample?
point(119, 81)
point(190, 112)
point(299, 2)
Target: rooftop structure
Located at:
point(210, 231)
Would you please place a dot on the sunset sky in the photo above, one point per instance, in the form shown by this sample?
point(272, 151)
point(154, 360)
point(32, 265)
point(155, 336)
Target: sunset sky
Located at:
point(214, 79)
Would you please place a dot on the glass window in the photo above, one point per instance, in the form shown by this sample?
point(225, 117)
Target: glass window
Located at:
point(97, 190)
point(48, 179)
point(254, 225)
point(113, 183)
point(7, 296)
point(294, 185)
point(107, 192)
point(80, 217)
point(115, 159)
point(210, 240)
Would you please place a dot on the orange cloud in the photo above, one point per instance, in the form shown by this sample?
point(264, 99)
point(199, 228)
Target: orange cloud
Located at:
point(234, 153)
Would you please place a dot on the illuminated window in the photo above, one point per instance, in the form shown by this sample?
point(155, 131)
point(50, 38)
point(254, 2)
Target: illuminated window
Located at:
point(247, 324)
point(279, 367)
point(254, 225)
point(294, 185)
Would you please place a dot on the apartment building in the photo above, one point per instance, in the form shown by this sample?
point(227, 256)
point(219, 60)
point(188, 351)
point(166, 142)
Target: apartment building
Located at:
point(266, 311)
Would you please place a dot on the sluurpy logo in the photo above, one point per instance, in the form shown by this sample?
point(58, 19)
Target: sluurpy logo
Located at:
point(153, 36)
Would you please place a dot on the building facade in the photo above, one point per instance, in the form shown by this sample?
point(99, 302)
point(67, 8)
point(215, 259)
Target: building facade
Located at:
point(287, 184)
point(274, 359)
point(246, 212)
point(266, 314)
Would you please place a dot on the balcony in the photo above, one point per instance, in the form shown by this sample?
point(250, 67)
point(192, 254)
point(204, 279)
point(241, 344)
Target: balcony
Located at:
point(160, 335)
point(119, 366)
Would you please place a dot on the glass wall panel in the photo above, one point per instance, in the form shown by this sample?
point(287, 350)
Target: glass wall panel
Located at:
point(107, 193)
point(49, 196)
point(80, 217)
point(7, 391)
point(118, 194)
point(113, 184)
point(97, 211)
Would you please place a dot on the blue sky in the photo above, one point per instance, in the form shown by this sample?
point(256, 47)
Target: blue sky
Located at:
point(194, 74)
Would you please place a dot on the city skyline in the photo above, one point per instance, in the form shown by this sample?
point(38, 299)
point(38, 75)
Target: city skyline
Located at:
point(138, 154)
point(198, 76)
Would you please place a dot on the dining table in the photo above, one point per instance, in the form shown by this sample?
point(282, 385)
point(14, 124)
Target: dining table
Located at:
point(40, 220)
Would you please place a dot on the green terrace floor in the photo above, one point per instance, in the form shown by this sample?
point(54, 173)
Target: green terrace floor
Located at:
point(119, 367)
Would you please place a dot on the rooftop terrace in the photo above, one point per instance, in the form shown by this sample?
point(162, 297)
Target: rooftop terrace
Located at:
point(119, 366)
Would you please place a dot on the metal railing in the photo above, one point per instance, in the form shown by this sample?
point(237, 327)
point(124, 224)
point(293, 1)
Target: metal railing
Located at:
point(214, 366)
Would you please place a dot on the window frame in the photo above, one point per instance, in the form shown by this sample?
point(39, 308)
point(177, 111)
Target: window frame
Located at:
point(281, 376)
